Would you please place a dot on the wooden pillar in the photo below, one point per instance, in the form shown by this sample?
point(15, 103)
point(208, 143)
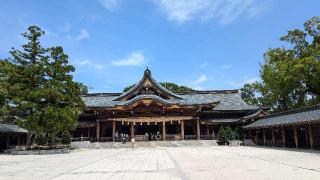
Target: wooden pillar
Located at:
point(250, 134)
point(295, 136)
point(88, 131)
point(198, 129)
point(257, 137)
point(264, 136)
point(182, 130)
point(132, 130)
point(311, 137)
point(113, 130)
point(8, 141)
point(208, 133)
point(273, 137)
point(98, 131)
point(283, 135)
point(18, 139)
point(164, 131)
point(29, 139)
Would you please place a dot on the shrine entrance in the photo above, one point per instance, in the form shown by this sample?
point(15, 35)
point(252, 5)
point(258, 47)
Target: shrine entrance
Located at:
point(149, 132)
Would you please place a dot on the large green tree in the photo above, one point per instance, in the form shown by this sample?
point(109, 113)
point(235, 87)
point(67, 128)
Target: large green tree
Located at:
point(168, 85)
point(290, 75)
point(41, 89)
point(3, 87)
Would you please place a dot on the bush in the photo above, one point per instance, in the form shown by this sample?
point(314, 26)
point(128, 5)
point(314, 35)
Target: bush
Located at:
point(65, 138)
point(237, 134)
point(225, 135)
point(40, 139)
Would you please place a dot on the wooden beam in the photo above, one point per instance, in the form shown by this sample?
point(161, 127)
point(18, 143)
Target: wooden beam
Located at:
point(311, 137)
point(98, 131)
point(113, 130)
point(264, 136)
point(164, 131)
point(273, 137)
point(295, 136)
point(153, 119)
point(198, 129)
point(283, 133)
point(182, 130)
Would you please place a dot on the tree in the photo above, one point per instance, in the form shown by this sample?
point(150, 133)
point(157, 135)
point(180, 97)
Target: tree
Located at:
point(225, 135)
point(290, 77)
point(41, 88)
point(237, 133)
point(248, 94)
point(168, 85)
point(3, 87)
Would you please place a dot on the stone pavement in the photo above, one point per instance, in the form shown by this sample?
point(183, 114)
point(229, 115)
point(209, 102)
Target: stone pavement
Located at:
point(182, 162)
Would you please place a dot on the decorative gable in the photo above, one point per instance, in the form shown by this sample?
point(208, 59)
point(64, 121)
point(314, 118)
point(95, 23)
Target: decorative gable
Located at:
point(147, 86)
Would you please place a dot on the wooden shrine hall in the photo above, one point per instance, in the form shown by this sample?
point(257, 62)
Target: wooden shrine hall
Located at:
point(150, 108)
point(299, 128)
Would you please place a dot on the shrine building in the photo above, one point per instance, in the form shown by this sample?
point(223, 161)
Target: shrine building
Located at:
point(150, 108)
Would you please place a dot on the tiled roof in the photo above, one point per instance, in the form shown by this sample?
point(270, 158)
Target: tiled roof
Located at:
point(299, 116)
point(147, 76)
point(226, 99)
point(10, 128)
point(229, 100)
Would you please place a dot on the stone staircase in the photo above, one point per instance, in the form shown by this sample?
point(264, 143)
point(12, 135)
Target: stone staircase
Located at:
point(141, 144)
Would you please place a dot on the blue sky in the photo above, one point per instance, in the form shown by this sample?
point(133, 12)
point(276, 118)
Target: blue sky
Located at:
point(204, 44)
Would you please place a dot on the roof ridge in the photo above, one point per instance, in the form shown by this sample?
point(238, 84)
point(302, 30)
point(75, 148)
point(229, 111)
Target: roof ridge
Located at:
point(230, 91)
point(293, 111)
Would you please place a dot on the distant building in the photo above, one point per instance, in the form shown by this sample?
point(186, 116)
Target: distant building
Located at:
point(299, 128)
point(148, 108)
point(11, 135)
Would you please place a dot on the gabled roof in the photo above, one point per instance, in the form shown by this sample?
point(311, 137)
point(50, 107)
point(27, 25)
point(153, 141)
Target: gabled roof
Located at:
point(229, 100)
point(307, 115)
point(148, 88)
point(146, 83)
point(10, 128)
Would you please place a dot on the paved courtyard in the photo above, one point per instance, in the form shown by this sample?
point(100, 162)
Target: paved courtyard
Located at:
point(195, 162)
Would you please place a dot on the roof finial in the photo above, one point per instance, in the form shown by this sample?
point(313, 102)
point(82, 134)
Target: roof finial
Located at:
point(147, 71)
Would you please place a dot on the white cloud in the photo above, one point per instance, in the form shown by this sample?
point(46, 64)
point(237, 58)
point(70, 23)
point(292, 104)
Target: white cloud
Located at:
point(83, 35)
point(109, 4)
point(226, 66)
point(245, 81)
point(65, 28)
point(134, 59)
point(203, 65)
point(200, 79)
point(196, 84)
point(224, 11)
point(90, 64)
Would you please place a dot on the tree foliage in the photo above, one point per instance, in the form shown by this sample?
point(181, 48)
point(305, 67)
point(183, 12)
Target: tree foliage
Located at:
point(290, 75)
point(225, 134)
point(41, 89)
point(168, 85)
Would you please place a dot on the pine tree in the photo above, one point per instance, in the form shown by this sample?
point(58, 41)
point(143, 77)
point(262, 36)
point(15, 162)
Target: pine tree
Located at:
point(42, 90)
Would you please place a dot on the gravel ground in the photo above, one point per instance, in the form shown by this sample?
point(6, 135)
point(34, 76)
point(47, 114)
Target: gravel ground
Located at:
point(185, 162)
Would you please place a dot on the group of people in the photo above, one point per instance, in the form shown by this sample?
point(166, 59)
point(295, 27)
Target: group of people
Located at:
point(123, 137)
point(152, 137)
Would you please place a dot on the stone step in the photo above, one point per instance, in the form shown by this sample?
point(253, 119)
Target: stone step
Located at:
point(141, 144)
